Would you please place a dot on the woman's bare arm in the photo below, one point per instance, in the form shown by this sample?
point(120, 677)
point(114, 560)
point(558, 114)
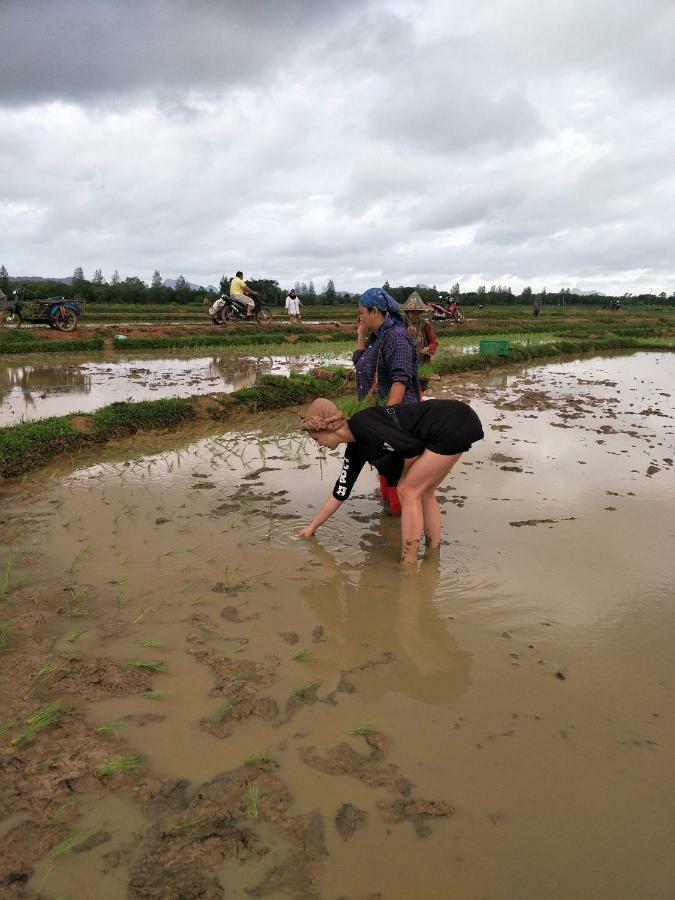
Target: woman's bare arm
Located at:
point(330, 506)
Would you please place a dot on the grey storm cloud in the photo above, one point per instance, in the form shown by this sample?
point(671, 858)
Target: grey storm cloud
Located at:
point(84, 49)
point(412, 140)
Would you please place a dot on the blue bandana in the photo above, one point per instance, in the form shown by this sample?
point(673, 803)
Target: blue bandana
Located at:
point(378, 298)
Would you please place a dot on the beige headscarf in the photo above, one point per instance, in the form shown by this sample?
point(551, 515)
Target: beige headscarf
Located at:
point(322, 415)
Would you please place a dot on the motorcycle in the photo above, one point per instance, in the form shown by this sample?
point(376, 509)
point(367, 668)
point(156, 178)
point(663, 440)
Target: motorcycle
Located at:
point(228, 310)
point(57, 312)
point(451, 313)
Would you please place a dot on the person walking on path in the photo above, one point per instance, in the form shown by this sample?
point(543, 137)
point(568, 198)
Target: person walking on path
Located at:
point(414, 445)
point(293, 304)
point(240, 291)
point(536, 305)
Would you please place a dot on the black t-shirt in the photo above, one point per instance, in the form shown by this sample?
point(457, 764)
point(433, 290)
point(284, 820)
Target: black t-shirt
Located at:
point(386, 436)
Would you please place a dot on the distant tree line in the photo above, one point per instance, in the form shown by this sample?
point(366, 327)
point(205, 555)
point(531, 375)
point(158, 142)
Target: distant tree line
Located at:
point(133, 290)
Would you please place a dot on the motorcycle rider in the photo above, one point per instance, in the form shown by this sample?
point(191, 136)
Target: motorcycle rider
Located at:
point(242, 293)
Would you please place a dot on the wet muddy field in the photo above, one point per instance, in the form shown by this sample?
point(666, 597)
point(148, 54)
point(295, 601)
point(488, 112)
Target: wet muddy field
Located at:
point(198, 704)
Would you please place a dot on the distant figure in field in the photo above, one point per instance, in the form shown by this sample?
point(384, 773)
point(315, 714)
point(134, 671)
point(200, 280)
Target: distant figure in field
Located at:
point(239, 290)
point(419, 328)
point(536, 305)
point(293, 304)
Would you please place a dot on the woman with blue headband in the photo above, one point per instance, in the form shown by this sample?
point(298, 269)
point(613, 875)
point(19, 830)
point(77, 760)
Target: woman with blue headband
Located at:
point(386, 358)
point(385, 363)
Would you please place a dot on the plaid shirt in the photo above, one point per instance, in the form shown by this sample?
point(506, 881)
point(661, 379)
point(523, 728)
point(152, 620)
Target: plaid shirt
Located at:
point(393, 355)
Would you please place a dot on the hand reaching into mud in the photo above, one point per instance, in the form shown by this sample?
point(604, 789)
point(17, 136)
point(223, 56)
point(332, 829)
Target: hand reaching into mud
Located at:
point(306, 532)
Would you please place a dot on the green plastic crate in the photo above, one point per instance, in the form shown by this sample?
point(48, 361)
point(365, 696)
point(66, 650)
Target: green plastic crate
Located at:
point(501, 348)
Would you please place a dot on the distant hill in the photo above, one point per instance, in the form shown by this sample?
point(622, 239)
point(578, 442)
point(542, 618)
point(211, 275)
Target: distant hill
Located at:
point(171, 283)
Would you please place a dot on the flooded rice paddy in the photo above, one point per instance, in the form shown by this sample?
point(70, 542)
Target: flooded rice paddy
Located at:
point(303, 719)
point(35, 387)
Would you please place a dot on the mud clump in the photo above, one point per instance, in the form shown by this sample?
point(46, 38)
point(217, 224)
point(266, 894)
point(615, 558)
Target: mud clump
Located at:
point(349, 819)
point(533, 522)
point(415, 811)
point(291, 637)
point(371, 768)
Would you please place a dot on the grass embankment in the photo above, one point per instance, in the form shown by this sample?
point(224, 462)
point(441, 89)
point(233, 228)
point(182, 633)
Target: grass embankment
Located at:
point(26, 342)
point(30, 445)
point(258, 337)
point(448, 363)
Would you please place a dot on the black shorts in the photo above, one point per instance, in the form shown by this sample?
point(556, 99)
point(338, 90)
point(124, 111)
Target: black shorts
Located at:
point(454, 435)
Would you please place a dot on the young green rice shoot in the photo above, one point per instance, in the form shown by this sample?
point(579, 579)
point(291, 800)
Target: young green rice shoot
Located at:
point(44, 674)
point(156, 644)
point(150, 665)
point(79, 556)
point(253, 800)
point(76, 635)
point(301, 655)
point(223, 710)
point(69, 843)
point(363, 729)
point(117, 765)
point(154, 694)
point(311, 685)
point(111, 728)
point(7, 726)
point(43, 718)
point(256, 757)
point(4, 637)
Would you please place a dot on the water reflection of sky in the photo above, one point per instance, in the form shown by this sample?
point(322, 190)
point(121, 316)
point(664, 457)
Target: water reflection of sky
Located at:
point(34, 388)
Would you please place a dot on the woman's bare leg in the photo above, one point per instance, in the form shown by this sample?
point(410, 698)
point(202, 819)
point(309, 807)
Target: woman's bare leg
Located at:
point(431, 511)
point(421, 479)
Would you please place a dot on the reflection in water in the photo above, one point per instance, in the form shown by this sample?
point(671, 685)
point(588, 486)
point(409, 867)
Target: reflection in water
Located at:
point(389, 611)
point(35, 389)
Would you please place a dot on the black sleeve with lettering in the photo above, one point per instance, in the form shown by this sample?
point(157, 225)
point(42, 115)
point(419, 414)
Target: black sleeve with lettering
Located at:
point(353, 462)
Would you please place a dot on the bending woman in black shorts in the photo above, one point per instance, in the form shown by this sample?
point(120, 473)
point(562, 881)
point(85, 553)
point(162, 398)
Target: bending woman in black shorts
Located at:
point(413, 445)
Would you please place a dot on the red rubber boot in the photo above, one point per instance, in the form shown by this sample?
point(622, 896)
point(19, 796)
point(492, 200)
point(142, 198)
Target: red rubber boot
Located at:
point(394, 502)
point(384, 490)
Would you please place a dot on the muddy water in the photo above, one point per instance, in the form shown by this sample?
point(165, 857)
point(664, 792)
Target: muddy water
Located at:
point(519, 685)
point(34, 387)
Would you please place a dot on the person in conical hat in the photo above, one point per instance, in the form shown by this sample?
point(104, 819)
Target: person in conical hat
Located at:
point(414, 445)
point(419, 328)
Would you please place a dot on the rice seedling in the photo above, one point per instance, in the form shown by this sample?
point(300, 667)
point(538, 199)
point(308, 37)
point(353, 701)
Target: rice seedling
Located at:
point(253, 800)
point(43, 718)
point(223, 710)
point(241, 676)
point(4, 637)
point(150, 665)
point(44, 674)
point(203, 598)
point(70, 657)
point(6, 726)
point(111, 728)
point(58, 813)
point(67, 844)
point(307, 687)
point(240, 648)
point(167, 553)
point(117, 765)
point(154, 694)
point(301, 655)
point(5, 579)
point(79, 556)
point(258, 756)
point(209, 629)
point(362, 729)
point(151, 642)
point(76, 635)
point(143, 613)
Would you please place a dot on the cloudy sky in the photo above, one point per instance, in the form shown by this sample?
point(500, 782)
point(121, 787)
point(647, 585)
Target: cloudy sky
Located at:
point(497, 141)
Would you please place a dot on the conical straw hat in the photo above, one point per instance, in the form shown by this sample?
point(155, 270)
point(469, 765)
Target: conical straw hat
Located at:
point(414, 303)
